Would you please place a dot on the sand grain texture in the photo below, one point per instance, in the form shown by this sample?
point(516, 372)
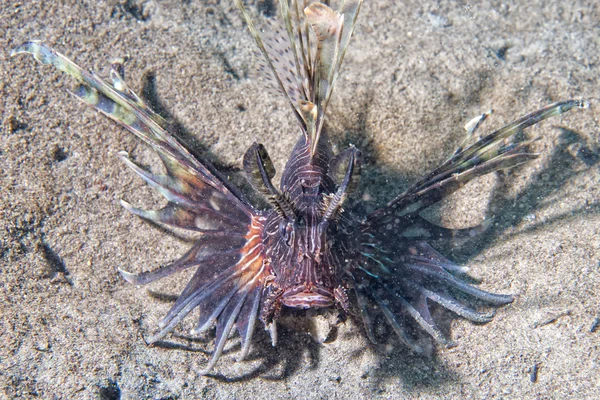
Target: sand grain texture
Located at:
point(415, 73)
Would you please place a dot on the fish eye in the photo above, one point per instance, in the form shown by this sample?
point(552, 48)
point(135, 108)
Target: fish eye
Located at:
point(287, 231)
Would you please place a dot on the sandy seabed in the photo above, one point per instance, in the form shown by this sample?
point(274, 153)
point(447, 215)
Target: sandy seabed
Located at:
point(415, 73)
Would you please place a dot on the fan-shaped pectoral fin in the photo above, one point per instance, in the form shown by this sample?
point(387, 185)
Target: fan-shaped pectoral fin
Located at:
point(404, 290)
point(226, 289)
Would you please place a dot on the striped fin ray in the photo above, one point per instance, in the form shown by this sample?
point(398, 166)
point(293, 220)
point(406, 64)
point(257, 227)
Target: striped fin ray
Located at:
point(226, 291)
point(246, 321)
point(366, 311)
point(118, 103)
point(228, 256)
point(211, 253)
point(194, 207)
point(250, 255)
point(486, 155)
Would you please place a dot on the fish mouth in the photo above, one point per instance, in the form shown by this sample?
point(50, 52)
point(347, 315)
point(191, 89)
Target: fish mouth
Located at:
point(304, 297)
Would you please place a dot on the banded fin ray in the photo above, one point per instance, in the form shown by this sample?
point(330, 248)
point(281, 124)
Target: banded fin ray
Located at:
point(190, 206)
point(140, 120)
point(486, 155)
point(230, 274)
point(228, 297)
point(210, 252)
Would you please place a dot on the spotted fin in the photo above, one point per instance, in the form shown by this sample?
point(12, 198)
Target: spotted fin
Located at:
point(306, 64)
point(400, 286)
point(396, 275)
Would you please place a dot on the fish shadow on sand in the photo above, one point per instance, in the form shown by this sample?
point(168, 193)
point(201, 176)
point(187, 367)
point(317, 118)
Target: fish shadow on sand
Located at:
point(570, 158)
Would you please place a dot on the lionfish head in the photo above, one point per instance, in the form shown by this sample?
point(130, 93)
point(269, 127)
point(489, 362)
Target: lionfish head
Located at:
point(302, 232)
point(305, 269)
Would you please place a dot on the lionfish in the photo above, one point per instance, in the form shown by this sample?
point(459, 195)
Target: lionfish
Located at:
point(304, 251)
